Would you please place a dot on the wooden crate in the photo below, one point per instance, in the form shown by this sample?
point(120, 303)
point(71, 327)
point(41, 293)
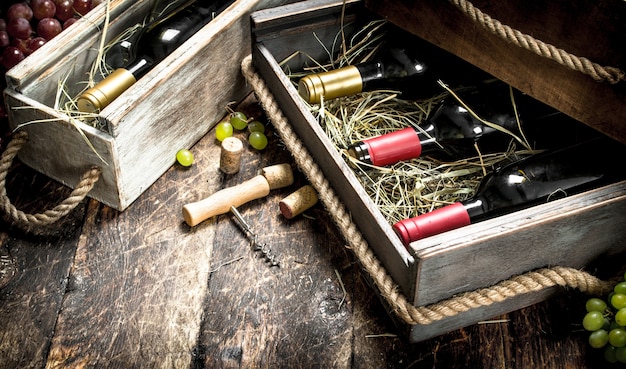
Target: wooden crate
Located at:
point(168, 109)
point(589, 29)
point(568, 232)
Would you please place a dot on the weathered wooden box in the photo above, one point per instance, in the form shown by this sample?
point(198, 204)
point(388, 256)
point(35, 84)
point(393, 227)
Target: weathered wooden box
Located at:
point(168, 109)
point(568, 232)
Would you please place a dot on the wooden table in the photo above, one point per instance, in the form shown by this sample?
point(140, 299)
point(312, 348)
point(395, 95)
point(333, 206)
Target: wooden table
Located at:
point(139, 288)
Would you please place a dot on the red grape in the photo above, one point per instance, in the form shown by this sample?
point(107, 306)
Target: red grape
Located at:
point(82, 6)
point(25, 25)
point(19, 28)
point(21, 45)
point(20, 10)
point(43, 9)
point(69, 22)
point(48, 28)
point(65, 9)
point(11, 56)
point(4, 39)
point(35, 43)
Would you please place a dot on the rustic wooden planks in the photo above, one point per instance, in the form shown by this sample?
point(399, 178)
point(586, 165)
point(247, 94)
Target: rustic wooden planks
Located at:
point(149, 315)
point(35, 272)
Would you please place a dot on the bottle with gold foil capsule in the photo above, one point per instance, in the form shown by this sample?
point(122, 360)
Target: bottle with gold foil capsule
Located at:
point(529, 181)
point(451, 130)
point(403, 63)
point(156, 42)
point(396, 69)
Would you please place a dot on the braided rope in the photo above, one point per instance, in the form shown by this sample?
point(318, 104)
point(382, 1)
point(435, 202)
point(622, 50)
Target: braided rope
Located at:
point(528, 282)
point(597, 72)
point(48, 217)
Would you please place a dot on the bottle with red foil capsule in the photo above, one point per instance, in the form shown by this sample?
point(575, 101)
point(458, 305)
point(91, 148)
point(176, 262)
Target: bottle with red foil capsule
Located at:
point(452, 130)
point(521, 184)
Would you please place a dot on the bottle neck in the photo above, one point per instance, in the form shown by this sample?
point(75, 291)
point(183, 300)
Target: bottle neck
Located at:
point(389, 148)
point(140, 66)
point(401, 71)
point(435, 222)
point(405, 144)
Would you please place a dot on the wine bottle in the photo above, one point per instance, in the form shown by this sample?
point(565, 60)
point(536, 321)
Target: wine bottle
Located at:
point(451, 130)
point(411, 68)
point(537, 178)
point(156, 42)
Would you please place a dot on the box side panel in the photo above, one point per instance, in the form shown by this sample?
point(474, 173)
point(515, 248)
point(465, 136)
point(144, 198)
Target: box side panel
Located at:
point(567, 232)
point(181, 99)
point(419, 333)
point(599, 105)
point(59, 149)
point(368, 218)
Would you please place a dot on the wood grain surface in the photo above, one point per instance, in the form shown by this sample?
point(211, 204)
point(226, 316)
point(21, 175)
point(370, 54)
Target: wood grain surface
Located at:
point(141, 289)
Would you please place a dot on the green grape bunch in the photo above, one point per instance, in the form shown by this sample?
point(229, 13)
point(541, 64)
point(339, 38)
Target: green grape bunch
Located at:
point(238, 121)
point(606, 321)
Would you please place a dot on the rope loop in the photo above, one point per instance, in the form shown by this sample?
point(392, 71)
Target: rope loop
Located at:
point(50, 216)
point(529, 282)
point(596, 71)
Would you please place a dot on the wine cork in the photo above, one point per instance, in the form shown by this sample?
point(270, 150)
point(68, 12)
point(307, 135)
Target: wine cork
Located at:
point(230, 156)
point(298, 202)
point(278, 176)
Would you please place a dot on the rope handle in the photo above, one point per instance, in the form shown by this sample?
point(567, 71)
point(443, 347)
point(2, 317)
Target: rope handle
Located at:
point(529, 282)
point(50, 216)
point(598, 72)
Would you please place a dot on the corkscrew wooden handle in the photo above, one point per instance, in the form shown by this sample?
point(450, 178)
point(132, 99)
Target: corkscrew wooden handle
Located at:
point(272, 177)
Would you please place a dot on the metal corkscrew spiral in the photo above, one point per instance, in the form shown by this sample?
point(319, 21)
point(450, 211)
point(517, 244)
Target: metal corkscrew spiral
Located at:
point(263, 248)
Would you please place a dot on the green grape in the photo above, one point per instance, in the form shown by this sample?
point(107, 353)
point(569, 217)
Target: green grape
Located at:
point(617, 337)
point(610, 354)
point(595, 304)
point(618, 300)
point(620, 317)
point(620, 354)
point(599, 338)
point(238, 120)
point(223, 130)
point(593, 321)
point(257, 140)
point(184, 157)
point(620, 288)
point(256, 126)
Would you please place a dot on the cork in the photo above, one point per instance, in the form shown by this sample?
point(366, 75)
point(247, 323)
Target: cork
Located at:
point(230, 156)
point(298, 202)
point(278, 176)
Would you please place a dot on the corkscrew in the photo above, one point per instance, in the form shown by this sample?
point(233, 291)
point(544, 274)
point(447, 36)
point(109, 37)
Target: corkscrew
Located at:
point(263, 248)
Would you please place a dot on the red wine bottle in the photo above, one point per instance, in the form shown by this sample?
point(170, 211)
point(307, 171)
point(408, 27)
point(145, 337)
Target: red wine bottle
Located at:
point(451, 130)
point(156, 42)
point(521, 184)
point(411, 71)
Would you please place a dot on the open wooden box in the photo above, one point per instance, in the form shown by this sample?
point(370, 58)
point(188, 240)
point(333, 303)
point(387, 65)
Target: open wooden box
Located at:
point(168, 109)
point(570, 232)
